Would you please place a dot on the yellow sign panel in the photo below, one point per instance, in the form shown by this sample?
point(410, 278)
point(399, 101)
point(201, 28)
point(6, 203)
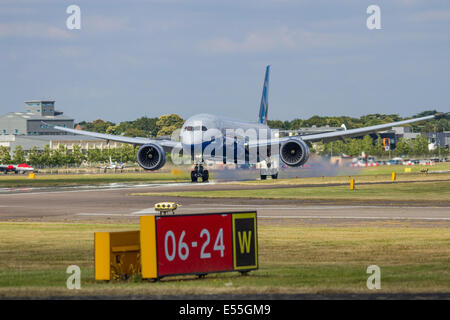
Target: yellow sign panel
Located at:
point(245, 241)
point(117, 255)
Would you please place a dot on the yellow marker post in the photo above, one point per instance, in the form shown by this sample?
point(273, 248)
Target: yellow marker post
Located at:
point(352, 184)
point(148, 247)
point(394, 176)
point(102, 256)
point(32, 175)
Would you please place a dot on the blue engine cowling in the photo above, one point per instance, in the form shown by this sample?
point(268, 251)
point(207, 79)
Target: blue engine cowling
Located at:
point(294, 152)
point(151, 156)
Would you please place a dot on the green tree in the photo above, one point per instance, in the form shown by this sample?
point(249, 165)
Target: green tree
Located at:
point(77, 155)
point(134, 132)
point(147, 125)
point(98, 125)
point(5, 157)
point(59, 156)
point(420, 146)
point(94, 155)
point(367, 145)
point(168, 123)
point(34, 157)
point(403, 147)
point(46, 154)
point(19, 155)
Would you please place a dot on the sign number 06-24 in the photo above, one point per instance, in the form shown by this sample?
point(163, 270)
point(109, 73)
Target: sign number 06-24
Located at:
point(170, 245)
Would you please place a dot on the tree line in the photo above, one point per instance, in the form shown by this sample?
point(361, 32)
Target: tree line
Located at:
point(166, 124)
point(62, 156)
point(404, 148)
point(142, 127)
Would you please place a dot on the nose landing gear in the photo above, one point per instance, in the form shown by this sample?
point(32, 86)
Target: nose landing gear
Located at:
point(199, 172)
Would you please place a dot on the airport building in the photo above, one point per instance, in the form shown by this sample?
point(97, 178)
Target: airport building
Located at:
point(34, 128)
point(30, 122)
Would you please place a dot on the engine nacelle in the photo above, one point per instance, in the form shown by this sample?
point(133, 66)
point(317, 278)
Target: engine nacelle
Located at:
point(151, 156)
point(294, 152)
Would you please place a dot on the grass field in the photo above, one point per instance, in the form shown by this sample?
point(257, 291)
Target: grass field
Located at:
point(432, 192)
point(293, 258)
point(367, 174)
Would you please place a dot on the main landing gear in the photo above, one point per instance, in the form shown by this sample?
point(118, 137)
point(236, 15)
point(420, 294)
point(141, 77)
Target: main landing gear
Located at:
point(199, 172)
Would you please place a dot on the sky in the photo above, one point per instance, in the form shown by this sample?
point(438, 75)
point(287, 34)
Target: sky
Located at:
point(139, 58)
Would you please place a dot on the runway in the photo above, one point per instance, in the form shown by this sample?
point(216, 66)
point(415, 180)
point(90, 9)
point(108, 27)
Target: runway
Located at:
point(74, 204)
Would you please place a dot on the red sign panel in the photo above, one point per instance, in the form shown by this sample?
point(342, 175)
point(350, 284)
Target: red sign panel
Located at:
point(194, 244)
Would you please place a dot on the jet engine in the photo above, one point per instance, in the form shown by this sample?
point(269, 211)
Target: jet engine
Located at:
point(151, 156)
point(294, 152)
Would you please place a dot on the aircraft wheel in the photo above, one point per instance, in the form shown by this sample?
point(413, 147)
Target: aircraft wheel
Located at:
point(193, 176)
point(263, 177)
point(275, 176)
point(205, 176)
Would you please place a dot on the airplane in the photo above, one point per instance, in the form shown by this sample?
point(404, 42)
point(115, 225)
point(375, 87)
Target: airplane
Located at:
point(20, 168)
point(210, 137)
point(113, 166)
point(6, 168)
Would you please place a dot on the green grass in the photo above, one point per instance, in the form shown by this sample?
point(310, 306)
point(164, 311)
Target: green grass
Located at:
point(441, 166)
point(89, 179)
point(293, 258)
point(414, 191)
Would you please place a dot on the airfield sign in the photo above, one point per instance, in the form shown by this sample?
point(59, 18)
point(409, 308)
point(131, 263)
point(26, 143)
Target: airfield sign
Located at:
point(198, 244)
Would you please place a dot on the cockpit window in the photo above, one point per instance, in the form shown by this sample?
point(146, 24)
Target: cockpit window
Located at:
point(195, 128)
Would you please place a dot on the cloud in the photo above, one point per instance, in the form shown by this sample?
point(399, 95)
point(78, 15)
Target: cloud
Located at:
point(32, 30)
point(283, 38)
point(104, 24)
point(71, 51)
point(431, 16)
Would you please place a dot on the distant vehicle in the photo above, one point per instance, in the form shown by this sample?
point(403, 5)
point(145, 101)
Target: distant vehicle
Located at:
point(20, 168)
point(395, 161)
point(269, 168)
point(411, 162)
point(365, 161)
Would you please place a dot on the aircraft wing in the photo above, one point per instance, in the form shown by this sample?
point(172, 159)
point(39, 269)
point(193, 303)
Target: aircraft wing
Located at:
point(166, 144)
point(336, 135)
point(341, 135)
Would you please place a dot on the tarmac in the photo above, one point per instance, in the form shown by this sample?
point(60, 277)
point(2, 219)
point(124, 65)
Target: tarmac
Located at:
point(115, 202)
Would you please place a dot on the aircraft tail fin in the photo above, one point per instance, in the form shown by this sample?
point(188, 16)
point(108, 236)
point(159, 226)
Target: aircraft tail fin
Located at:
point(264, 107)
